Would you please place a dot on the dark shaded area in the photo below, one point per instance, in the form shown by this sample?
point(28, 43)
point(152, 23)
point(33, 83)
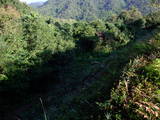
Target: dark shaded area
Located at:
point(39, 79)
point(36, 80)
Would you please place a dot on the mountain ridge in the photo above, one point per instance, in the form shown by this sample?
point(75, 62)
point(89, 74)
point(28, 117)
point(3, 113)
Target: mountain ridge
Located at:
point(89, 10)
point(36, 4)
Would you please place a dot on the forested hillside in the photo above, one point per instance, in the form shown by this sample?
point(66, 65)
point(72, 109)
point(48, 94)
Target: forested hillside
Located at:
point(90, 9)
point(67, 69)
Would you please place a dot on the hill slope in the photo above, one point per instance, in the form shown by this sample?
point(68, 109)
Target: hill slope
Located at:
point(89, 9)
point(73, 64)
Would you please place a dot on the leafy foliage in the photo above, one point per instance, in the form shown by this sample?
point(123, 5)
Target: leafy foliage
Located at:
point(135, 95)
point(137, 92)
point(85, 57)
point(24, 37)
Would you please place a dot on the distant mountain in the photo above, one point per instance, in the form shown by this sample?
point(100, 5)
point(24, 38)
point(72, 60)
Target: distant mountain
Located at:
point(36, 4)
point(89, 9)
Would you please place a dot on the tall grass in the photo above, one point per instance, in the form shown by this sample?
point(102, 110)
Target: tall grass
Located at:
point(44, 111)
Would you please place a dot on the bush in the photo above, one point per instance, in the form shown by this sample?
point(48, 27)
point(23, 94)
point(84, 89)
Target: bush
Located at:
point(133, 19)
point(153, 20)
point(136, 96)
point(83, 29)
point(23, 41)
point(130, 16)
point(152, 71)
point(116, 35)
point(98, 25)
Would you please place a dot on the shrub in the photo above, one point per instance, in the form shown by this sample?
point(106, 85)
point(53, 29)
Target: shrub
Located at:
point(130, 16)
point(133, 19)
point(136, 96)
point(115, 35)
point(98, 25)
point(82, 29)
point(152, 71)
point(153, 20)
point(22, 44)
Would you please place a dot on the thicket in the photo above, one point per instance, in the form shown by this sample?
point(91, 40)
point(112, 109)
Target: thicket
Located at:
point(31, 42)
point(27, 42)
point(137, 94)
point(129, 86)
point(127, 89)
point(34, 50)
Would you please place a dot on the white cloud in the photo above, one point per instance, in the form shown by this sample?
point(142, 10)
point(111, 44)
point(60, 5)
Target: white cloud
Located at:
point(31, 1)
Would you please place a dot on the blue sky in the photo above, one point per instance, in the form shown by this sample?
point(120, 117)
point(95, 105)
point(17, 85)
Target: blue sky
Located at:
point(30, 1)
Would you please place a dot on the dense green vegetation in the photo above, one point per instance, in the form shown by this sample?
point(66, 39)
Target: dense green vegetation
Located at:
point(90, 9)
point(81, 70)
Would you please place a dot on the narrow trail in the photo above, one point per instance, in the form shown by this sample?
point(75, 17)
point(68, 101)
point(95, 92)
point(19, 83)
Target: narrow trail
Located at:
point(62, 94)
